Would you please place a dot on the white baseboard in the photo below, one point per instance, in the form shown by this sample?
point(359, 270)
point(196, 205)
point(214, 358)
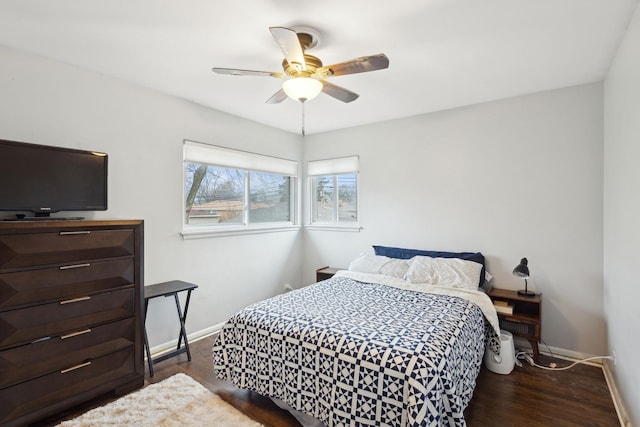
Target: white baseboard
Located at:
point(560, 353)
point(166, 347)
point(563, 353)
point(623, 415)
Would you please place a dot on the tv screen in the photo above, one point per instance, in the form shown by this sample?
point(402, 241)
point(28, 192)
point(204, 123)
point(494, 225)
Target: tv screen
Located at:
point(44, 179)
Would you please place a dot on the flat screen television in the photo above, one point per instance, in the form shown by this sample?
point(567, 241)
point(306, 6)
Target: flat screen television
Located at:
point(44, 179)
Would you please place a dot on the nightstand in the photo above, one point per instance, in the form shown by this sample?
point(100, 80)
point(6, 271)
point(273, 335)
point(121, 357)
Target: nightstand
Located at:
point(325, 273)
point(525, 321)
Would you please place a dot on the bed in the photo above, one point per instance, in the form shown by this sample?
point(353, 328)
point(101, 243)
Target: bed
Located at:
point(378, 344)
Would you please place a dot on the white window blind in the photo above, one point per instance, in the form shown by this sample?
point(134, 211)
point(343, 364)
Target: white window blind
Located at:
point(333, 166)
point(210, 154)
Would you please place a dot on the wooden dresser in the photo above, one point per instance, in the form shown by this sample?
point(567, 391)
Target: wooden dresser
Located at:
point(71, 314)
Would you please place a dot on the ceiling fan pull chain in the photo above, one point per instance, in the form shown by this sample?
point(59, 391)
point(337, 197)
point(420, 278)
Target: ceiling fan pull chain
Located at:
point(302, 118)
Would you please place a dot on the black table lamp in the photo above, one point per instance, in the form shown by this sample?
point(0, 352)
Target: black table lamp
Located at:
point(522, 270)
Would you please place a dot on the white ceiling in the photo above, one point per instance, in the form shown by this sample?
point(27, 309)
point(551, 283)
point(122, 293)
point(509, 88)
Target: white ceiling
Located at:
point(443, 53)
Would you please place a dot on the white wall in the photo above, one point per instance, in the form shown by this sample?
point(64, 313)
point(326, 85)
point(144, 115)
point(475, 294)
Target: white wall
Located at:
point(513, 178)
point(51, 103)
point(622, 215)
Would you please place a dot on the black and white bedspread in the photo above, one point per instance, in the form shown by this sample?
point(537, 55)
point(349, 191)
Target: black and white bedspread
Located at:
point(355, 353)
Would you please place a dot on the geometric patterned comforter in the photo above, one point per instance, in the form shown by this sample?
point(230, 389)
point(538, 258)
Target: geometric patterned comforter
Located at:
point(358, 354)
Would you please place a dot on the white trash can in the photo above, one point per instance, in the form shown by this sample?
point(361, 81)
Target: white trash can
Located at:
point(504, 362)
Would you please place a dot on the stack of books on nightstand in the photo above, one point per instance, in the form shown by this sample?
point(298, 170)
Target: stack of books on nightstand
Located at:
point(503, 307)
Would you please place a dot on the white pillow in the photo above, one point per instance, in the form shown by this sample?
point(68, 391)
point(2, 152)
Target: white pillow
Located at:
point(395, 267)
point(453, 272)
point(378, 264)
point(366, 263)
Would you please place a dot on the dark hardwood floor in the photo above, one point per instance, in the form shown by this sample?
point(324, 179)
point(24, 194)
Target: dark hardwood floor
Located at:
point(528, 397)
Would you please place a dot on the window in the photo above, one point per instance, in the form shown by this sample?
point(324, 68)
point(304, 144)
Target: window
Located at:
point(230, 189)
point(334, 191)
point(269, 197)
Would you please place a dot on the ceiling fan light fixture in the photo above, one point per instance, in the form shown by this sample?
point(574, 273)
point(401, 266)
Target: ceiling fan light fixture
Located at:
point(302, 88)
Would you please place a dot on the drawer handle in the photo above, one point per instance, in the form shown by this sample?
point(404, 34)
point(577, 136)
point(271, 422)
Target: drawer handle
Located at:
point(73, 368)
point(75, 334)
point(69, 301)
point(69, 267)
point(74, 233)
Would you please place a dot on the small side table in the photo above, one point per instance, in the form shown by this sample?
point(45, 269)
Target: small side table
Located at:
point(325, 273)
point(525, 321)
point(167, 289)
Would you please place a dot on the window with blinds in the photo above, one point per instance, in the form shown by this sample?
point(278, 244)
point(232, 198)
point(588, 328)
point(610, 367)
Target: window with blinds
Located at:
point(225, 188)
point(334, 191)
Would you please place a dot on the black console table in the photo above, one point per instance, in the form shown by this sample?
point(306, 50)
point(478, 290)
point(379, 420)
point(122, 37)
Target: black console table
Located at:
point(167, 289)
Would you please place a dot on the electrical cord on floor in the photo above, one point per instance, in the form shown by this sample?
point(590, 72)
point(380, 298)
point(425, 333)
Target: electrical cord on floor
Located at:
point(573, 364)
point(529, 358)
point(518, 356)
point(548, 348)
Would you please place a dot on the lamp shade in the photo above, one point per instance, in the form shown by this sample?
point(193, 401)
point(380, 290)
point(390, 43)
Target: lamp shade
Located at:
point(302, 88)
point(522, 270)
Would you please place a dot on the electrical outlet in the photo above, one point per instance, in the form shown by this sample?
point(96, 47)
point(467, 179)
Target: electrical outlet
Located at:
point(613, 353)
point(287, 287)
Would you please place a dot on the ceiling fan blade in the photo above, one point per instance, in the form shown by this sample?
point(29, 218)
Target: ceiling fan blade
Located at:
point(339, 93)
point(237, 72)
point(289, 43)
point(277, 97)
point(357, 65)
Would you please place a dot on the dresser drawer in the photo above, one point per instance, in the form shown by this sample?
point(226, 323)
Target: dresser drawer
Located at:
point(88, 378)
point(55, 283)
point(28, 250)
point(25, 325)
point(22, 363)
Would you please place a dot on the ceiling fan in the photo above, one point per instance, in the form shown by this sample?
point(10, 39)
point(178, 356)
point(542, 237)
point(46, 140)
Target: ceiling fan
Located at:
point(305, 74)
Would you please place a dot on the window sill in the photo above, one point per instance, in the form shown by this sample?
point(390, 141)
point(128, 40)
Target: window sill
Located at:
point(207, 232)
point(334, 227)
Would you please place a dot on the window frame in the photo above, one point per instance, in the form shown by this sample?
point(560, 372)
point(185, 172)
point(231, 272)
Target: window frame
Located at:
point(246, 162)
point(333, 168)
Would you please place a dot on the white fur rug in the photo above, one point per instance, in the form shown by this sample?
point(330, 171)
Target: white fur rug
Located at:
point(176, 401)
